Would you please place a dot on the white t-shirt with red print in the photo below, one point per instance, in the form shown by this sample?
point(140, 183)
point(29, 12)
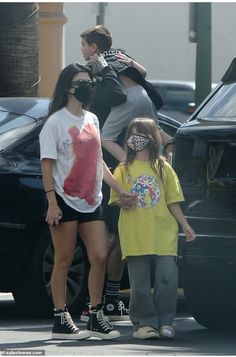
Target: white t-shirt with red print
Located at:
point(74, 143)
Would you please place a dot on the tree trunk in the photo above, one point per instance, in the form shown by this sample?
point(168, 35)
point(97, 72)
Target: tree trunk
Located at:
point(19, 49)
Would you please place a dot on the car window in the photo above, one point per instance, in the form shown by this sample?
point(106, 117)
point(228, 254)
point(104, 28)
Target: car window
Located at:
point(221, 105)
point(221, 163)
point(175, 97)
point(12, 127)
point(179, 96)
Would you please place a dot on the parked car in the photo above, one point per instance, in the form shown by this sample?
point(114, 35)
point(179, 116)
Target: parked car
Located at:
point(178, 97)
point(26, 252)
point(204, 158)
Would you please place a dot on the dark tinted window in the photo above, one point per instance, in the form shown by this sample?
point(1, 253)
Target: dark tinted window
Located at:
point(221, 162)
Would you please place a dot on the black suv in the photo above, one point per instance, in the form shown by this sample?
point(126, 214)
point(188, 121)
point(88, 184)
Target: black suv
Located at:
point(26, 252)
point(205, 161)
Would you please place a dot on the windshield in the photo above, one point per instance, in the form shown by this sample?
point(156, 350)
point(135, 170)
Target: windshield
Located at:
point(221, 105)
point(12, 127)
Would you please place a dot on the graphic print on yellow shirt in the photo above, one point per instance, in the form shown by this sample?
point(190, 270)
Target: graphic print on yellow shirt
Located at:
point(149, 228)
point(147, 190)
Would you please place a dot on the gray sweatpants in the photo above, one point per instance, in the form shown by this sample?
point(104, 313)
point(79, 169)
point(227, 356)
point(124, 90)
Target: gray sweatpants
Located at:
point(157, 308)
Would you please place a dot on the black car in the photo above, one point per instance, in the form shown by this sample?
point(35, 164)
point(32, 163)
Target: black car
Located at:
point(26, 252)
point(205, 161)
point(178, 97)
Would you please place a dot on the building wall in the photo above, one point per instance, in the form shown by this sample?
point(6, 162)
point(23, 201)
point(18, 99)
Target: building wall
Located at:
point(155, 34)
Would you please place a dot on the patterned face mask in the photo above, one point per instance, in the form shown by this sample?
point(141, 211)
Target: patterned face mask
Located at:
point(137, 142)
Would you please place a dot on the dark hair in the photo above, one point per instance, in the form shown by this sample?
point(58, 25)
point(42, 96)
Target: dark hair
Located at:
point(149, 128)
point(60, 96)
point(99, 35)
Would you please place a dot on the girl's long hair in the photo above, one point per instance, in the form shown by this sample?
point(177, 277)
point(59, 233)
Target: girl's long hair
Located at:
point(147, 127)
point(60, 96)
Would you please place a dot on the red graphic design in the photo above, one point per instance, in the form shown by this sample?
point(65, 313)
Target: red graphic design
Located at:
point(81, 181)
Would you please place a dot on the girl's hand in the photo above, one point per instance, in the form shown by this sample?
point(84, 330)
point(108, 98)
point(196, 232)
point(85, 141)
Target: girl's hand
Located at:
point(189, 233)
point(54, 214)
point(125, 59)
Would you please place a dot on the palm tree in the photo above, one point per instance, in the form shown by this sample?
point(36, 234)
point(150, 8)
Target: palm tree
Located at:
point(19, 49)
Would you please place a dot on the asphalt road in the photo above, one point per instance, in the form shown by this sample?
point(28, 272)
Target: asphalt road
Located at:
point(21, 336)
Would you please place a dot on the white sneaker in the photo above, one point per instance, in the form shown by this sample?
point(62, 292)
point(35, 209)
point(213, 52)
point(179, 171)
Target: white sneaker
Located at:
point(166, 331)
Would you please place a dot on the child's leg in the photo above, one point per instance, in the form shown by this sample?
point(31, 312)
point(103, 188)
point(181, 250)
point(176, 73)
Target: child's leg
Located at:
point(165, 288)
point(142, 309)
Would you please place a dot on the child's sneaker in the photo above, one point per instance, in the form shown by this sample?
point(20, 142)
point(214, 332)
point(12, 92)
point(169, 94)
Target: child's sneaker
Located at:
point(98, 326)
point(115, 310)
point(85, 314)
point(166, 331)
point(65, 328)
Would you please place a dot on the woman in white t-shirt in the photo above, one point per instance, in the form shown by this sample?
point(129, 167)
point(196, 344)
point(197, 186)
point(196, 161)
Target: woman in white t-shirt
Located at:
point(73, 169)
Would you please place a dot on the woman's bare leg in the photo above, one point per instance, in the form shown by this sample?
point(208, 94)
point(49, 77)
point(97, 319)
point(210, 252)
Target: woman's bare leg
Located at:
point(64, 240)
point(95, 239)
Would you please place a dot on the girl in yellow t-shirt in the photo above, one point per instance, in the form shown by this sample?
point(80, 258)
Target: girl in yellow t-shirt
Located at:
point(149, 231)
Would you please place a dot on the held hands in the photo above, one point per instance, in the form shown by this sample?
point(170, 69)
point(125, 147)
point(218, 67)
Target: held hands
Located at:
point(97, 63)
point(189, 233)
point(127, 200)
point(54, 214)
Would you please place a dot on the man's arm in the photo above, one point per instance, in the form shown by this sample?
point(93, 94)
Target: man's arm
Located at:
point(164, 137)
point(114, 149)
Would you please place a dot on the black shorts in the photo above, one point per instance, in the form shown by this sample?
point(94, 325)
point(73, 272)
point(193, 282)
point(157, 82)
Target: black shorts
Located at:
point(70, 214)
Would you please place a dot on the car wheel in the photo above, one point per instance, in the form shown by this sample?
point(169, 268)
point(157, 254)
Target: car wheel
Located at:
point(210, 300)
point(33, 295)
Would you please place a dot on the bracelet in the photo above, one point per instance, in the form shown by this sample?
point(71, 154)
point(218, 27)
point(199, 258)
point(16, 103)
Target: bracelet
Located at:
point(49, 191)
point(131, 63)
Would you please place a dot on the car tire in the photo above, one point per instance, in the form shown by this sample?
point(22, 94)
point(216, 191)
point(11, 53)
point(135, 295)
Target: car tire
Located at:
point(205, 298)
point(33, 294)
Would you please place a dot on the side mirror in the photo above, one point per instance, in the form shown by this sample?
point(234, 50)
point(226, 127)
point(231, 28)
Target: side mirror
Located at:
point(190, 108)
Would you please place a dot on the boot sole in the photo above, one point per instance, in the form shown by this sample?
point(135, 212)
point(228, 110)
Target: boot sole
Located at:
point(104, 336)
point(108, 318)
point(66, 336)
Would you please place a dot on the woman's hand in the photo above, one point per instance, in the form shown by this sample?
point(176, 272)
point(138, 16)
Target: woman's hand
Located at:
point(54, 214)
point(127, 200)
point(124, 59)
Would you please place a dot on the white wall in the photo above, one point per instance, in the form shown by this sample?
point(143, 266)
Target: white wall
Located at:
point(223, 37)
point(156, 35)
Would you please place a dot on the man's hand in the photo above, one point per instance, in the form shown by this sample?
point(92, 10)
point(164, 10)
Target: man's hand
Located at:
point(97, 63)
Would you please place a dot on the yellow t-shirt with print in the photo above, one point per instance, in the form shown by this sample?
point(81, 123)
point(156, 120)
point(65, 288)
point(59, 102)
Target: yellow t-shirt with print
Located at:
point(149, 228)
